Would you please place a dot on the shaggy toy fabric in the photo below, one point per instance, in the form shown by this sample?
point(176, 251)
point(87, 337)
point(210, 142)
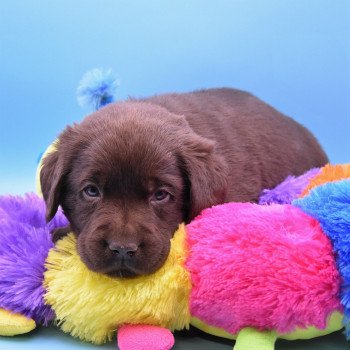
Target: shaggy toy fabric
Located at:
point(144, 337)
point(290, 189)
point(271, 267)
point(330, 205)
point(25, 242)
point(328, 173)
point(92, 306)
point(97, 88)
point(12, 324)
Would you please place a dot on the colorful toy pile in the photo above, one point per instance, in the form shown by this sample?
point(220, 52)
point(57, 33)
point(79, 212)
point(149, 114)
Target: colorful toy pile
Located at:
point(248, 272)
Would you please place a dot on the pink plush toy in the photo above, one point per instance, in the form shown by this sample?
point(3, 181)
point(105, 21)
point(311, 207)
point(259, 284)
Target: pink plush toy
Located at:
point(243, 271)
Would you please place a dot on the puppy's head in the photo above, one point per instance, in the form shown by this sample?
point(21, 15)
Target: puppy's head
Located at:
point(126, 177)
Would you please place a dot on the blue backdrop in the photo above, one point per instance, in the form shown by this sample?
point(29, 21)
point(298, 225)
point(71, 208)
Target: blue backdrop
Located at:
point(292, 54)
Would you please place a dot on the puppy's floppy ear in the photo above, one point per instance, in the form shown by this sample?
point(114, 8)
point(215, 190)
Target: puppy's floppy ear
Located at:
point(54, 168)
point(205, 172)
point(51, 177)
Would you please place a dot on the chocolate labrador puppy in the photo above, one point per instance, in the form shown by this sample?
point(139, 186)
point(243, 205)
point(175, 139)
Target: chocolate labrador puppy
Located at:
point(128, 174)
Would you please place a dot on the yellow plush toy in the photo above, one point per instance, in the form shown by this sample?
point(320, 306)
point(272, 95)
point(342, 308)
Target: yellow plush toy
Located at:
point(93, 306)
point(282, 272)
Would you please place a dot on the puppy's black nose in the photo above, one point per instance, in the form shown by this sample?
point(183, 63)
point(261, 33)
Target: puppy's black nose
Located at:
point(123, 251)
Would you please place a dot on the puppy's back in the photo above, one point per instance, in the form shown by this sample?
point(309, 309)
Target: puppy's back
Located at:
point(261, 145)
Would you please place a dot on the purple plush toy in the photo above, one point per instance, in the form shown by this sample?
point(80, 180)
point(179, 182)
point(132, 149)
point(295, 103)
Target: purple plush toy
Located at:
point(290, 189)
point(21, 289)
point(217, 295)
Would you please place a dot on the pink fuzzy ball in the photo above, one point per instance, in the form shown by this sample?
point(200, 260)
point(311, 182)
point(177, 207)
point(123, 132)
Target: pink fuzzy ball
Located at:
point(144, 337)
point(268, 267)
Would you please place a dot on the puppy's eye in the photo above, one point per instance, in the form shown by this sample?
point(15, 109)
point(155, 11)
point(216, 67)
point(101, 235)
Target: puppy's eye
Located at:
point(91, 191)
point(160, 196)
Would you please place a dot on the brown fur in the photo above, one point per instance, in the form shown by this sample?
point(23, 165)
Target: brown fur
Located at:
point(200, 149)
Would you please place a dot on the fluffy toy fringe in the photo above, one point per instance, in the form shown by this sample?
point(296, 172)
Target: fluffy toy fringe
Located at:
point(328, 173)
point(91, 306)
point(290, 189)
point(271, 267)
point(330, 205)
point(97, 88)
point(25, 233)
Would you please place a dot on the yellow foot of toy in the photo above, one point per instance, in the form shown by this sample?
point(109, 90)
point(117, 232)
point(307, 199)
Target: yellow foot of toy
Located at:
point(252, 339)
point(12, 324)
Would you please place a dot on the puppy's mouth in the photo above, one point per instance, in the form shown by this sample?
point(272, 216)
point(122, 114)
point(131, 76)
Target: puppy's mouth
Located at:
point(125, 269)
point(119, 270)
point(122, 273)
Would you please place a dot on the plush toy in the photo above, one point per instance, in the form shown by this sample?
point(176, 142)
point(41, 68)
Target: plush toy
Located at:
point(297, 186)
point(244, 271)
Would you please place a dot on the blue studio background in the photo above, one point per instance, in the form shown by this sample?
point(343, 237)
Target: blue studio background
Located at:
point(293, 54)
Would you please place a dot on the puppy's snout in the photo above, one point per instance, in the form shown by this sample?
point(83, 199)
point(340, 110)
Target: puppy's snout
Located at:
point(123, 251)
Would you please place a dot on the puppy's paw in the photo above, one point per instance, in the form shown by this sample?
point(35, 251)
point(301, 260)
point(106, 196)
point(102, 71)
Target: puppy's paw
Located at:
point(144, 337)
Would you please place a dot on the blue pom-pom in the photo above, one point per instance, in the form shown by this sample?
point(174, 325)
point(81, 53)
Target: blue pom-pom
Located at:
point(97, 88)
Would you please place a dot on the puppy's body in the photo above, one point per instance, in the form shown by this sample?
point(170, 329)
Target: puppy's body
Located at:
point(131, 172)
point(260, 145)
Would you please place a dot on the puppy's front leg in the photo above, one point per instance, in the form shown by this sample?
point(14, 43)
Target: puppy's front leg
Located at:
point(59, 233)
